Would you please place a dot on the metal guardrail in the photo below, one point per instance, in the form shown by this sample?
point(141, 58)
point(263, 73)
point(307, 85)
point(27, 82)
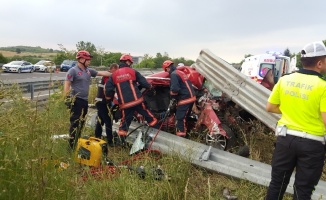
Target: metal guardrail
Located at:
point(245, 92)
point(217, 160)
point(210, 158)
point(31, 87)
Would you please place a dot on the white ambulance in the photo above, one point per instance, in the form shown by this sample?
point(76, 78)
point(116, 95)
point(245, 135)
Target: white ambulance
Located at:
point(257, 66)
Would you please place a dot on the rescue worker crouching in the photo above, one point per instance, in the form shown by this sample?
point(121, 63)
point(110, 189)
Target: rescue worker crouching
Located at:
point(104, 109)
point(130, 99)
point(182, 96)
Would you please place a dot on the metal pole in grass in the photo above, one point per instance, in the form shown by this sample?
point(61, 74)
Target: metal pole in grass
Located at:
point(32, 90)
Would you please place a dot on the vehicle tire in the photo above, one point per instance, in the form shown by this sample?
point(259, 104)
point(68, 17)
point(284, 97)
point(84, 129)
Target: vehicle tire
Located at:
point(244, 151)
point(19, 71)
point(45, 70)
point(232, 140)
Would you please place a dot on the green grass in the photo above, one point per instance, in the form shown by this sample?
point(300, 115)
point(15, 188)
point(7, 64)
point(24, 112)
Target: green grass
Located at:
point(29, 161)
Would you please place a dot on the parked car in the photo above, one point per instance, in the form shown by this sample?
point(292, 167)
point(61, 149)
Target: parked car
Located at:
point(45, 66)
point(18, 66)
point(67, 64)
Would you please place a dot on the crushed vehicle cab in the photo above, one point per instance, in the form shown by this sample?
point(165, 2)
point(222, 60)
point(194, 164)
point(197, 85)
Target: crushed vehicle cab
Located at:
point(203, 122)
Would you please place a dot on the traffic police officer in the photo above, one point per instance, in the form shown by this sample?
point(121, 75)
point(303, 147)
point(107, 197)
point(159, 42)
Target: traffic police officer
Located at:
point(301, 99)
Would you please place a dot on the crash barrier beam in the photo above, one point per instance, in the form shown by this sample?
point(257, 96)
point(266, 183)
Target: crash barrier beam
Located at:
point(245, 92)
point(217, 160)
point(210, 158)
point(32, 86)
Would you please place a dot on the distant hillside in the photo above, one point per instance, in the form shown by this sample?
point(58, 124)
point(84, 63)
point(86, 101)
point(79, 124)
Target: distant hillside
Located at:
point(22, 49)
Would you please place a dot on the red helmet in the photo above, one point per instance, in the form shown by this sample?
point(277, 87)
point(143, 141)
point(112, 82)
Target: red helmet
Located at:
point(126, 57)
point(84, 54)
point(166, 64)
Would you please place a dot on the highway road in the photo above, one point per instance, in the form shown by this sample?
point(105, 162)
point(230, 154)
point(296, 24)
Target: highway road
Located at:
point(30, 77)
point(41, 76)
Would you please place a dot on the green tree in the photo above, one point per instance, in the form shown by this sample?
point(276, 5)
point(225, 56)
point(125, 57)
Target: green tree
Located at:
point(16, 57)
point(18, 51)
point(60, 57)
point(179, 60)
point(109, 58)
point(287, 52)
point(64, 54)
point(100, 52)
point(299, 64)
point(183, 60)
point(3, 59)
point(245, 56)
point(147, 62)
point(159, 59)
point(88, 46)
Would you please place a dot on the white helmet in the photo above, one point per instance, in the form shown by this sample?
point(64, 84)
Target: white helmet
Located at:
point(181, 64)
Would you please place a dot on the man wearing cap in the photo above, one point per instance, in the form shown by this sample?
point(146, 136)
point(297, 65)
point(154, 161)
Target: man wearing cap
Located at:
point(301, 99)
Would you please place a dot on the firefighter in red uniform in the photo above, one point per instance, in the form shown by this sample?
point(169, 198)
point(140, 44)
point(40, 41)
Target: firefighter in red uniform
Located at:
point(130, 99)
point(182, 96)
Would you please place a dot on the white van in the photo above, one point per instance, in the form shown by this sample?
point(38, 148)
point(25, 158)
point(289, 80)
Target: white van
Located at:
point(257, 66)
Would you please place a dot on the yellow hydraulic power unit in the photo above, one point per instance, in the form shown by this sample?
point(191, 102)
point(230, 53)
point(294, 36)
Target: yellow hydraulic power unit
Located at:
point(90, 150)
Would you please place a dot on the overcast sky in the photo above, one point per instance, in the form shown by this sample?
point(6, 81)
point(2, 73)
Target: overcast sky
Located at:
point(181, 28)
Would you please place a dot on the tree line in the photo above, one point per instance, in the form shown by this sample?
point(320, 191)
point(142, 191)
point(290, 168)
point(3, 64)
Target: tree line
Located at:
point(20, 49)
point(104, 58)
point(100, 56)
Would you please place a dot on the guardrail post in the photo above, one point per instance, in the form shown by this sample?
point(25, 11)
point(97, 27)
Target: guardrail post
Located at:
point(32, 90)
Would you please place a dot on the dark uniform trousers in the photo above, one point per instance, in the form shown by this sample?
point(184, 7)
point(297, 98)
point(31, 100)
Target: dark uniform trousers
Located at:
point(307, 156)
point(181, 115)
point(128, 114)
point(103, 118)
point(78, 113)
